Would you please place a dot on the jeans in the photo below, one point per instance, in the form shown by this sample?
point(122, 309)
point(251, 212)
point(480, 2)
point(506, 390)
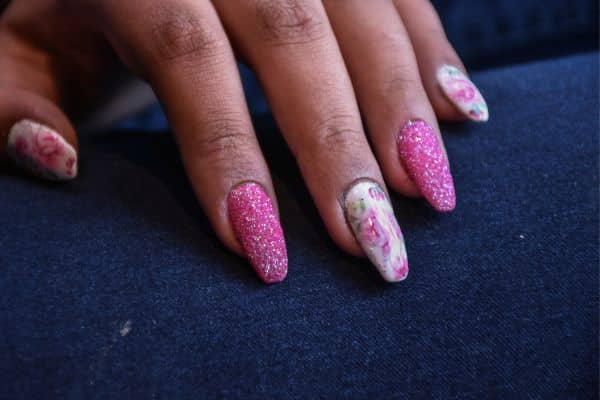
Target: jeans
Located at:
point(114, 285)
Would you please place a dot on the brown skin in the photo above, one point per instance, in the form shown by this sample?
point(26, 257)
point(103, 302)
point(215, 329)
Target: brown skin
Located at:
point(318, 61)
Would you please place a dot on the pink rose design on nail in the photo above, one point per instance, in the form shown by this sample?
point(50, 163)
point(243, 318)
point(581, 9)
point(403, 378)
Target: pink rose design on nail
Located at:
point(41, 150)
point(400, 268)
point(376, 194)
point(373, 232)
point(69, 164)
point(47, 145)
point(461, 89)
point(394, 225)
point(21, 147)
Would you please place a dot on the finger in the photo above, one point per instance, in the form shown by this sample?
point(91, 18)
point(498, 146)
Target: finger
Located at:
point(452, 94)
point(401, 121)
point(292, 48)
point(181, 49)
point(33, 129)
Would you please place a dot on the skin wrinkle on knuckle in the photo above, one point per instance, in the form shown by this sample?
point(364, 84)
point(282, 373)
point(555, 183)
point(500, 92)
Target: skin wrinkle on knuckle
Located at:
point(402, 83)
point(339, 133)
point(285, 22)
point(223, 141)
point(183, 37)
point(394, 39)
point(436, 32)
point(197, 70)
point(400, 76)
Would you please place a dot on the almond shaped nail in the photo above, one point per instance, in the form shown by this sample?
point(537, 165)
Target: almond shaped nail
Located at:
point(463, 93)
point(422, 155)
point(258, 230)
point(371, 217)
point(41, 150)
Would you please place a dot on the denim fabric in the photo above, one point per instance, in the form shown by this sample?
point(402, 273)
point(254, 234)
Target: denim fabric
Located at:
point(499, 32)
point(114, 286)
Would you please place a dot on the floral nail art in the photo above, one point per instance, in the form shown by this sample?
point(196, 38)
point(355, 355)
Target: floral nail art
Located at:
point(42, 150)
point(371, 217)
point(463, 93)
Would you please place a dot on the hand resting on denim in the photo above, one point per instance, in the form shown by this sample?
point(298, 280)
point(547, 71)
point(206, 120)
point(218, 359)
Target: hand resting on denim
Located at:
point(322, 63)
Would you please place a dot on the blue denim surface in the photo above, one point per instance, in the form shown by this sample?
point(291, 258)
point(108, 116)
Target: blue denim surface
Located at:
point(499, 32)
point(501, 302)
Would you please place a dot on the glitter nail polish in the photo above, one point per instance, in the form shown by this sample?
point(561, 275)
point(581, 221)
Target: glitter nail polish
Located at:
point(41, 150)
point(258, 230)
point(463, 93)
point(421, 154)
point(371, 217)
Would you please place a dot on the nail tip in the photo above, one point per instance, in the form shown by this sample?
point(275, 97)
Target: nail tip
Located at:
point(69, 177)
point(481, 118)
point(276, 278)
point(273, 273)
point(395, 279)
point(446, 206)
point(445, 209)
point(270, 266)
point(396, 275)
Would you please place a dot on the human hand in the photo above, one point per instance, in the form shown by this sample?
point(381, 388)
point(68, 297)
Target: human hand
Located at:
point(319, 62)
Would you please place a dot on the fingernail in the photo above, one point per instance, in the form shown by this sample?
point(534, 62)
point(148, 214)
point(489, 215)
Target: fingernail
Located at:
point(371, 217)
point(258, 230)
point(462, 93)
point(421, 153)
point(41, 150)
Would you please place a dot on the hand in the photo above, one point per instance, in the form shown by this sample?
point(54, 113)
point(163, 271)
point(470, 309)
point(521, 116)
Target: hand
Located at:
point(318, 61)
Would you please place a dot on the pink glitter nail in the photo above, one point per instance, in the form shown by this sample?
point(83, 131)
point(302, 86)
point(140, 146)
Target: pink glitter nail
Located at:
point(258, 229)
point(422, 155)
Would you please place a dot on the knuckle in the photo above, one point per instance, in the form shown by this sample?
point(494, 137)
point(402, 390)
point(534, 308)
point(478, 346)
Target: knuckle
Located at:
point(340, 132)
point(400, 75)
point(399, 88)
point(183, 36)
point(399, 83)
point(394, 39)
point(284, 22)
point(223, 139)
point(401, 79)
